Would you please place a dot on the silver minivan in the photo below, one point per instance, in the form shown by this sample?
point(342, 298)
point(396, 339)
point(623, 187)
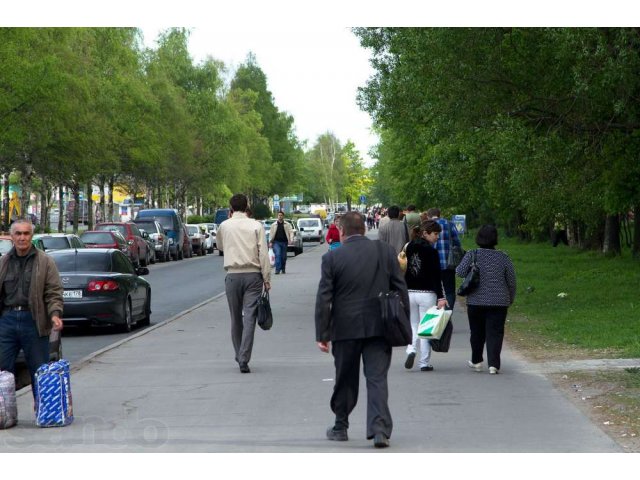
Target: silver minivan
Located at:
point(311, 229)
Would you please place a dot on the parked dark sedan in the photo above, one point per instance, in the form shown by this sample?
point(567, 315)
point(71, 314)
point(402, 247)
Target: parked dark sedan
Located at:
point(102, 287)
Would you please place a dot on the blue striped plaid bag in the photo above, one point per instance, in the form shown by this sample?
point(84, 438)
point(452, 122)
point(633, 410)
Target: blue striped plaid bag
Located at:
point(54, 407)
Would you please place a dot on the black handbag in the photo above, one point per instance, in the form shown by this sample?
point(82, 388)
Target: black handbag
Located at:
point(442, 344)
point(472, 280)
point(265, 318)
point(397, 327)
point(456, 253)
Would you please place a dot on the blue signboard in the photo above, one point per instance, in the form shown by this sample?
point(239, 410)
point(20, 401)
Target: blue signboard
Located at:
point(460, 222)
point(363, 199)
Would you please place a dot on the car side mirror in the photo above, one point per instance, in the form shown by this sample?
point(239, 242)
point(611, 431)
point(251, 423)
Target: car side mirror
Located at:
point(142, 271)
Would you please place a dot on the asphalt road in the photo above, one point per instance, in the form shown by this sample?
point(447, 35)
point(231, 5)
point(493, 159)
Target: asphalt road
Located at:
point(175, 287)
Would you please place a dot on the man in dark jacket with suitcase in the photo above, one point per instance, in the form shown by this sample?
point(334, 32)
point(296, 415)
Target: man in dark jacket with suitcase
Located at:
point(31, 301)
point(348, 314)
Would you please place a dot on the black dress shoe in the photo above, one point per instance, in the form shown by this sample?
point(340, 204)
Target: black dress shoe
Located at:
point(428, 368)
point(244, 368)
point(380, 440)
point(337, 435)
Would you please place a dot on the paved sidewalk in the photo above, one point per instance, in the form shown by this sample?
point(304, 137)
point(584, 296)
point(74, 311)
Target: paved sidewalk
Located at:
point(176, 388)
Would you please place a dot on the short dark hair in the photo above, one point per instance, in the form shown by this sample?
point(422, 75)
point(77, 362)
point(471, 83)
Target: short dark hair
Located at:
point(239, 202)
point(430, 226)
point(411, 207)
point(393, 211)
point(433, 212)
point(487, 236)
point(352, 223)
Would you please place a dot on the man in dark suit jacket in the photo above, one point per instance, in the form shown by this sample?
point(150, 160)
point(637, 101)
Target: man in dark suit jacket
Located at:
point(348, 314)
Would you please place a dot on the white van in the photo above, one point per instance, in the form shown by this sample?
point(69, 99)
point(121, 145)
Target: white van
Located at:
point(311, 229)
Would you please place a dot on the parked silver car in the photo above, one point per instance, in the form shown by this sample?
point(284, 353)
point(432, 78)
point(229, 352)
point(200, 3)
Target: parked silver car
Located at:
point(159, 238)
point(59, 241)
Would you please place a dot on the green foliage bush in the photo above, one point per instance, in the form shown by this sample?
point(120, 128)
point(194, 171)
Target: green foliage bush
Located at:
point(261, 211)
point(200, 219)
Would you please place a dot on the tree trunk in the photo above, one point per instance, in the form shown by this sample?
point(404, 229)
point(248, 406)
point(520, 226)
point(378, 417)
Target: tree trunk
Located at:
point(89, 206)
point(110, 213)
point(76, 207)
point(5, 203)
point(44, 207)
point(62, 211)
point(635, 249)
point(611, 245)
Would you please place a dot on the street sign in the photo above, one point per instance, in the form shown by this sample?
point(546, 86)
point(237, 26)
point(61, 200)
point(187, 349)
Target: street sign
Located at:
point(460, 221)
point(276, 198)
point(276, 205)
point(363, 199)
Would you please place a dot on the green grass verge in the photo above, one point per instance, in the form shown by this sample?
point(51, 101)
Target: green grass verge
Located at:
point(601, 309)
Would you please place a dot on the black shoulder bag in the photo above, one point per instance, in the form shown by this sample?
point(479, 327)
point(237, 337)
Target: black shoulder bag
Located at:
point(397, 327)
point(472, 280)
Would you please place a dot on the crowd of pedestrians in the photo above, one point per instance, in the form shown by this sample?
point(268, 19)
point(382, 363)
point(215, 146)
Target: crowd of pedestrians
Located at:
point(348, 315)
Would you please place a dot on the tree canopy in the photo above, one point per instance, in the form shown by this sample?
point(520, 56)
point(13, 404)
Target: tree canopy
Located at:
point(518, 126)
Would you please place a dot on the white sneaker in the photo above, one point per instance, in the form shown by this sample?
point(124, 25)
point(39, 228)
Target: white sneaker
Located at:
point(476, 366)
point(493, 370)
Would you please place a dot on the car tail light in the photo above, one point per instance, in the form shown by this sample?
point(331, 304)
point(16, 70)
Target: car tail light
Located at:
point(103, 286)
point(160, 237)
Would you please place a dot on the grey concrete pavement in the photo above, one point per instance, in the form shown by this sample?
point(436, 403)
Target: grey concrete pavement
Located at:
point(176, 388)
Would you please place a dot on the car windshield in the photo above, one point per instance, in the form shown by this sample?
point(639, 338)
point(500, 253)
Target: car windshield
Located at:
point(52, 243)
point(307, 223)
point(87, 262)
point(165, 221)
point(5, 246)
point(193, 229)
point(113, 228)
point(146, 226)
point(95, 238)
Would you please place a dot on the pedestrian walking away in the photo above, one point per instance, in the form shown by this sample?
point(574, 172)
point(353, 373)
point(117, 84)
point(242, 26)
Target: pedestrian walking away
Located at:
point(425, 288)
point(394, 231)
point(447, 238)
point(31, 298)
point(246, 261)
point(280, 236)
point(487, 305)
point(348, 319)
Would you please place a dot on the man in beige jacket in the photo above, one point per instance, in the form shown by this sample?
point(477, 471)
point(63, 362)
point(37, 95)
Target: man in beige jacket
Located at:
point(246, 261)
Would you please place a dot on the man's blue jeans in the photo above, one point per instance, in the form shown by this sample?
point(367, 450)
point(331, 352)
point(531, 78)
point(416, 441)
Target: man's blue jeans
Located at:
point(280, 251)
point(18, 331)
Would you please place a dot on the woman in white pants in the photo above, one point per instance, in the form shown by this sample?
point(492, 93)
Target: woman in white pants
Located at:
point(425, 287)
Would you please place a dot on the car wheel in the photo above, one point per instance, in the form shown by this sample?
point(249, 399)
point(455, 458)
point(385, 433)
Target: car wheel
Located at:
point(144, 262)
point(152, 256)
point(220, 253)
point(146, 320)
point(127, 325)
point(203, 251)
point(180, 255)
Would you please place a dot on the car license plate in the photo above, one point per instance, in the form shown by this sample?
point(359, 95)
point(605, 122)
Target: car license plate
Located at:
point(72, 294)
